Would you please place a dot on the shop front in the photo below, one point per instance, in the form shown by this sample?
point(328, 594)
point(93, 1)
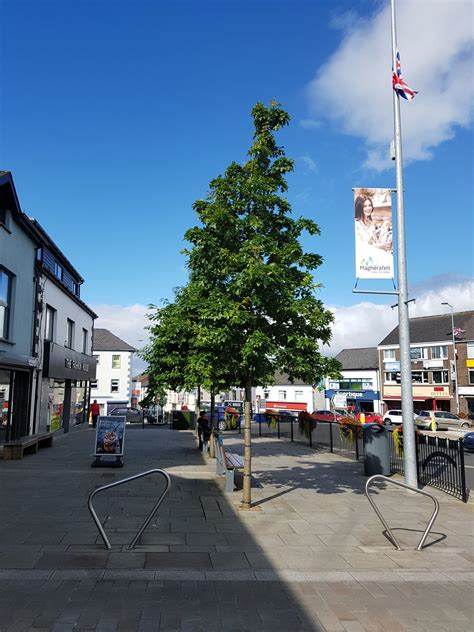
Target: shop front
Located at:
point(424, 398)
point(363, 401)
point(65, 387)
point(15, 390)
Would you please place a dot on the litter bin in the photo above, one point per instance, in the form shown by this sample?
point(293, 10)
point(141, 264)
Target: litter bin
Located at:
point(376, 450)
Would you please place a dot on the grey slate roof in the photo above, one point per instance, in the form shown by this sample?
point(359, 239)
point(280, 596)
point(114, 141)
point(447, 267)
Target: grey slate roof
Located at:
point(362, 358)
point(105, 340)
point(435, 328)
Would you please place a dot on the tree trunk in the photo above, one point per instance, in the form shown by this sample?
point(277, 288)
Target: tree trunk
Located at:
point(197, 405)
point(212, 448)
point(247, 491)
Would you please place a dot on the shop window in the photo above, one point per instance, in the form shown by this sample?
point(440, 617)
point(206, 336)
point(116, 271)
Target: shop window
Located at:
point(114, 386)
point(5, 302)
point(333, 384)
point(470, 350)
point(281, 396)
point(419, 377)
point(116, 361)
point(85, 336)
point(440, 377)
point(471, 376)
point(50, 322)
point(299, 396)
point(389, 355)
point(440, 352)
point(70, 333)
point(418, 353)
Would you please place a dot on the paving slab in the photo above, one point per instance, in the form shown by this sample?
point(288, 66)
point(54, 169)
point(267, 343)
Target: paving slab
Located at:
point(311, 557)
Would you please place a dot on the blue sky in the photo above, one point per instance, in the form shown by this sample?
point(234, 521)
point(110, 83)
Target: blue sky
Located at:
point(115, 115)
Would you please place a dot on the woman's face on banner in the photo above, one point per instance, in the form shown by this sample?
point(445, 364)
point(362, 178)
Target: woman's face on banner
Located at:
point(368, 208)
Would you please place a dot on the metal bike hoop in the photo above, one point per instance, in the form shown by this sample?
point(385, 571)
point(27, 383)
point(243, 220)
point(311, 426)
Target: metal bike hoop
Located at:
point(147, 519)
point(382, 520)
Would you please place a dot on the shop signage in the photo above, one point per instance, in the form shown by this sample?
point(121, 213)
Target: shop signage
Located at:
point(366, 395)
point(110, 436)
point(426, 392)
point(61, 363)
point(466, 390)
point(391, 366)
point(286, 405)
point(470, 363)
point(433, 364)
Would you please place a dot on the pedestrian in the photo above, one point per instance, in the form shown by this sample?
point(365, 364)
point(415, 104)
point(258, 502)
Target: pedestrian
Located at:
point(204, 432)
point(94, 410)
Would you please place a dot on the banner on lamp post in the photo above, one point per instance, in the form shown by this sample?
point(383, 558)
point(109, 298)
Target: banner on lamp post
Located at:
point(373, 233)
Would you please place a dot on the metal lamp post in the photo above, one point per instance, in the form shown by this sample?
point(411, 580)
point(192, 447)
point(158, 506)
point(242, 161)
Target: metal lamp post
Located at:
point(454, 355)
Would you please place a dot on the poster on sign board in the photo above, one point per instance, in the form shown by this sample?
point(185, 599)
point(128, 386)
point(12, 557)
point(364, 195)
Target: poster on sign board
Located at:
point(110, 436)
point(373, 233)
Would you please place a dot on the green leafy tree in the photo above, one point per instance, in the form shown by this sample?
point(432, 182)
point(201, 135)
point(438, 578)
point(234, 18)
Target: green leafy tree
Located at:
point(254, 281)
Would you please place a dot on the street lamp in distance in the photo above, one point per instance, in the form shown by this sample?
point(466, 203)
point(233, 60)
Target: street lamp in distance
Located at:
point(455, 353)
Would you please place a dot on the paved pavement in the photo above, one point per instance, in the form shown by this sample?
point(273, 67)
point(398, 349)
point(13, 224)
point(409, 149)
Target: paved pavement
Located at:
point(310, 556)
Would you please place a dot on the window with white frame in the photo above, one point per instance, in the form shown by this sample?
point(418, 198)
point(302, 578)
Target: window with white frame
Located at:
point(440, 377)
point(420, 377)
point(440, 352)
point(58, 271)
point(97, 358)
point(5, 303)
point(94, 383)
point(471, 376)
point(418, 353)
point(389, 354)
point(391, 377)
point(114, 386)
point(50, 319)
point(281, 395)
point(116, 361)
point(299, 396)
point(470, 350)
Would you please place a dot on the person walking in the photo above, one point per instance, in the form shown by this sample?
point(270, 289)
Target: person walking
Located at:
point(94, 411)
point(204, 431)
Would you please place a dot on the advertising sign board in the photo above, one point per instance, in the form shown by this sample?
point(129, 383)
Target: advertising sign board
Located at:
point(110, 436)
point(373, 233)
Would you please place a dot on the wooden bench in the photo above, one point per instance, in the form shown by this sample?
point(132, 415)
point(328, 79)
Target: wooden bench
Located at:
point(17, 448)
point(226, 462)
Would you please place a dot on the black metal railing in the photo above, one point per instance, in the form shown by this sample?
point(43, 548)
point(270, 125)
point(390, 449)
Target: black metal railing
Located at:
point(324, 435)
point(440, 461)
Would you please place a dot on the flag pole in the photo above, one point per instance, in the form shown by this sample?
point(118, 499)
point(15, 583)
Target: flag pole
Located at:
point(409, 441)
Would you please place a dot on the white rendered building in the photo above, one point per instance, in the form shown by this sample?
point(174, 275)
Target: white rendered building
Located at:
point(113, 385)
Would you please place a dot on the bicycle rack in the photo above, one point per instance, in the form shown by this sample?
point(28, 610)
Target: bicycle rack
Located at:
point(382, 520)
point(147, 519)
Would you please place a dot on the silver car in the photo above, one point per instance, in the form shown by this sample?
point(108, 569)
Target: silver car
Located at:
point(442, 420)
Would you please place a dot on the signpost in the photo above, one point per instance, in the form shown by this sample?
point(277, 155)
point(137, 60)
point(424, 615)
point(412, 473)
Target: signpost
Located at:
point(109, 442)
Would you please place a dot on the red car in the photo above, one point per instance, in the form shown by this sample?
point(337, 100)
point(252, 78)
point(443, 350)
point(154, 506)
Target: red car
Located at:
point(371, 418)
point(326, 415)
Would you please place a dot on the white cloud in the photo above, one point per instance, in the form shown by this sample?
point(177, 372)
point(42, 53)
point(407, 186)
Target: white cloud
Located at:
point(366, 324)
point(309, 165)
point(361, 325)
point(309, 123)
point(353, 88)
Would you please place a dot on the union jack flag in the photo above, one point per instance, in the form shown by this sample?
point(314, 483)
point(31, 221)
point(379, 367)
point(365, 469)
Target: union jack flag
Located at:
point(457, 332)
point(399, 85)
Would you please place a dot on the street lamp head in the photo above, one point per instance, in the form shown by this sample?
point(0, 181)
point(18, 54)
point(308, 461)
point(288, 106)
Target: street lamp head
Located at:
point(448, 304)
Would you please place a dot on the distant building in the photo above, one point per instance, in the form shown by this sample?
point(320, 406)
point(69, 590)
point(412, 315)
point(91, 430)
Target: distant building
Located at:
point(359, 388)
point(286, 395)
point(113, 385)
point(434, 363)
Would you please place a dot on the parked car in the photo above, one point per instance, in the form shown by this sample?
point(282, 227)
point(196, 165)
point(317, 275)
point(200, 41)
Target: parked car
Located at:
point(469, 441)
point(394, 417)
point(370, 418)
point(442, 420)
point(326, 415)
point(132, 415)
